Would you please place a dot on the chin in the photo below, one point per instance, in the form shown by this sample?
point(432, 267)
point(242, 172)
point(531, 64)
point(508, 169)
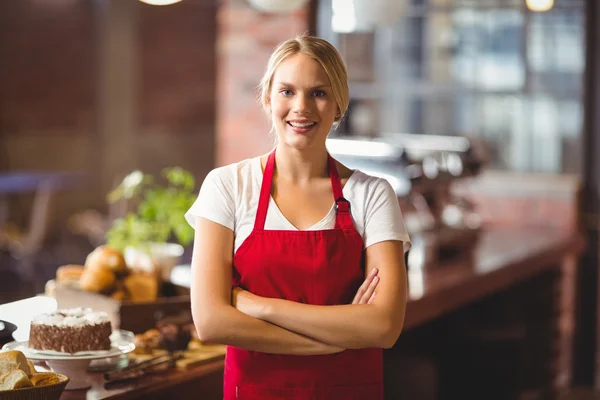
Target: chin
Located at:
point(299, 144)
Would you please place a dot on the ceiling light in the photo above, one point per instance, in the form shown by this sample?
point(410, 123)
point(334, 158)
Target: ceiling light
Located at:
point(277, 6)
point(540, 5)
point(160, 2)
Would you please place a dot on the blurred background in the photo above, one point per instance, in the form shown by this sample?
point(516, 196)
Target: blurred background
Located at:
point(484, 115)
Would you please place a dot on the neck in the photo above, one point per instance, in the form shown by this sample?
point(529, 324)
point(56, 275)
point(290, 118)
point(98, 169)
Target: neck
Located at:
point(300, 167)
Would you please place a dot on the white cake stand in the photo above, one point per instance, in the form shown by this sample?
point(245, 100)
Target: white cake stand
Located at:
point(75, 365)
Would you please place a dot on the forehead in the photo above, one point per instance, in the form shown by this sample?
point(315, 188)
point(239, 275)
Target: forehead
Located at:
point(301, 70)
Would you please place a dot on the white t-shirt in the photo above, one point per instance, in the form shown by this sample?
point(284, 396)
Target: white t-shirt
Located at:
point(229, 196)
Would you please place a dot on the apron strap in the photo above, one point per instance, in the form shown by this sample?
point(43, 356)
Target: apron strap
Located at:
point(265, 193)
point(343, 219)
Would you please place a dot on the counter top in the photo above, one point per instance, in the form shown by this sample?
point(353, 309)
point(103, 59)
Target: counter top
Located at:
point(174, 384)
point(501, 258)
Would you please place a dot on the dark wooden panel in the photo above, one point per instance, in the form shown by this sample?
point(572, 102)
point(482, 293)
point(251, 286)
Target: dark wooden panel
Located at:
point(586, 370)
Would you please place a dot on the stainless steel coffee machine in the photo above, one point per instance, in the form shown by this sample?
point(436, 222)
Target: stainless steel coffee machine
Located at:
point(422, 169)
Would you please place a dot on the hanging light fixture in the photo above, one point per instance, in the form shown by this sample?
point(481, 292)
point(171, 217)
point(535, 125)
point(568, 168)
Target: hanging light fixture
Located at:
point(540, 5)
point(277, 6)
point(160, 2)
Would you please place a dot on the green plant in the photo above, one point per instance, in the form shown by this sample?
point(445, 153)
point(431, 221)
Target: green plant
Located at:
point(160, 209)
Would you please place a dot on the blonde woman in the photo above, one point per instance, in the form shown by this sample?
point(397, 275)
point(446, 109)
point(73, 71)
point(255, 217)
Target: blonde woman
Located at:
point(298, 261)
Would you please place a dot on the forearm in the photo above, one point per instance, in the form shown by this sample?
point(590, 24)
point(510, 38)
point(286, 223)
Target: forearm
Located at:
point(226, 325)
point(351, 326)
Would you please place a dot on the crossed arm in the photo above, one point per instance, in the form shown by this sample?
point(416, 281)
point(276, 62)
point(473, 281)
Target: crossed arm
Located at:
point(285, 327)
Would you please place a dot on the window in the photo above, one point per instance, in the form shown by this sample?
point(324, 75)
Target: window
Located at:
point(484, 68)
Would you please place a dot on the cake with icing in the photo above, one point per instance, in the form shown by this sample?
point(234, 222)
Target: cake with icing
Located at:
point(70, 331)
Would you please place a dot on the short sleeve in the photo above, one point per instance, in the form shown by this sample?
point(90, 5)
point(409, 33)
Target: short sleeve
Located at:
point(383, 218)
point(216, 201)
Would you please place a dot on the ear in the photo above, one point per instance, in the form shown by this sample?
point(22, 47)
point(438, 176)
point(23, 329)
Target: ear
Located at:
point(338, 116)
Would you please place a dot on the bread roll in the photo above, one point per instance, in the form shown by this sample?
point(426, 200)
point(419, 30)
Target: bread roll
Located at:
point(12, 360)
point(107, 257)
point(31, 368)
point(147, 342)
point(141, 287)
point(98, 280)
point(15, 379)
point(44, 379)
point(118, 295)
point(69, 274)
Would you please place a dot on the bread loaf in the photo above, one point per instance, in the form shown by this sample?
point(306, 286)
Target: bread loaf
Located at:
point(97, 279)
point(107, 257)
point(69, 274)
point(44, 379)
point(31, 368)
point(13, 360)
point(141, 287)
point(15, 379)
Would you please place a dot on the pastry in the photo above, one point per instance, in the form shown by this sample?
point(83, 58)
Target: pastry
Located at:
point(15, 379)
point(44, 379)
point(141, 287)
point(98, 279)
point(107, 257)
point(14, 359)
point(69, 275)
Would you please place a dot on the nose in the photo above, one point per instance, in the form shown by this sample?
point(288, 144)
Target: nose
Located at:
point(302, 104)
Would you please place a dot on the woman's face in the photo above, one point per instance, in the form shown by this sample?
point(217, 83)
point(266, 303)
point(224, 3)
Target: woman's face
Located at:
point(301, 103)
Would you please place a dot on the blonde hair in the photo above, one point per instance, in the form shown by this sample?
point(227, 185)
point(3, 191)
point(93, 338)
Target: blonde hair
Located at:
point(321, 51)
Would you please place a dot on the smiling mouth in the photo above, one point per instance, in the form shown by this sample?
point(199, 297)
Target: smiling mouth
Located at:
point(301, 125)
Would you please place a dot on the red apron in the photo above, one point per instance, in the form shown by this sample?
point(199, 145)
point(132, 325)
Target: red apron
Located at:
point(314, 267)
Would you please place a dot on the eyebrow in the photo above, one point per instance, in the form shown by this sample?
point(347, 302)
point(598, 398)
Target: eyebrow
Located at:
point(320, 85)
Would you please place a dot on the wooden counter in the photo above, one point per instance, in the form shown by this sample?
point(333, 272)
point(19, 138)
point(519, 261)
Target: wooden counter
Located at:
point(204, 382)
point(501, 260)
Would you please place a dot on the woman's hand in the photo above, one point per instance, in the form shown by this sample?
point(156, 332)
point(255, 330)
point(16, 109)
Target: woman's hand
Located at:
point(248, 303)
point(255, 306)
point(366, 291)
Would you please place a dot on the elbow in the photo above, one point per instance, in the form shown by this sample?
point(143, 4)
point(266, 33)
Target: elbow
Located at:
point(207, 328)
point(204, 329)
point(388, 336)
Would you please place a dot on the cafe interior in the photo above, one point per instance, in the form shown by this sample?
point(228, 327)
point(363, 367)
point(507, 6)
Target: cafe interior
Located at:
point(484, 116)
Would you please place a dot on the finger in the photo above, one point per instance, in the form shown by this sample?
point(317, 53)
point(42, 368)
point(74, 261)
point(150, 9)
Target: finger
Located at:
point(372, 298)
point(361, 290)
point(369, 292)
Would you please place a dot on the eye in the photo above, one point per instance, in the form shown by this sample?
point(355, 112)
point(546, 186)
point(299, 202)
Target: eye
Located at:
point(286, 92)
point(318, 93)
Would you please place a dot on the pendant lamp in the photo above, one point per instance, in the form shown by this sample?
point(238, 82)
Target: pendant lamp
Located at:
point(540, 5)
point(277, 6)
point(160, 2)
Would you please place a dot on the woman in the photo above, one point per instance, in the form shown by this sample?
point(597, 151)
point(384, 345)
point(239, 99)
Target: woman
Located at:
point(298, 323)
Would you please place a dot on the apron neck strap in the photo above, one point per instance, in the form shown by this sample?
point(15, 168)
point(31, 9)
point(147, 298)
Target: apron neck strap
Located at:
point(265, 193)
point(343, 219)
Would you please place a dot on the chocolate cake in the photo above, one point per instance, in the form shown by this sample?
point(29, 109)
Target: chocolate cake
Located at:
point(70, 331)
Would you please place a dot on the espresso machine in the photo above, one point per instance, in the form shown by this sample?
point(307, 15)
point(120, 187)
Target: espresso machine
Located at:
point(422, 169)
